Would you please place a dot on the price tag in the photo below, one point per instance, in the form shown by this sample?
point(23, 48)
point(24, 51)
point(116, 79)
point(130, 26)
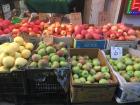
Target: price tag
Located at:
point(44, 16)
point(6, 8)
point(116, 52)
point(75, 18)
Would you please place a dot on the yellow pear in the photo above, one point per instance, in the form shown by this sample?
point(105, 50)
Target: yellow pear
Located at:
point(3, 69)
point(29, 46)
point(17, 55)
point(20, 62)
point(13, 69)
point(15, 46)
point(19, 40)
point(2, 55)
point(21, 48)
point(26, 53)
point(8, 61)
point(8, 50)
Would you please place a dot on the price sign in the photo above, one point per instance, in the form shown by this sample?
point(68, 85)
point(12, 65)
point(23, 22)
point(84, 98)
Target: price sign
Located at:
point(6, 8)
point(75, 18)
point(44, 16)
point(116, 52)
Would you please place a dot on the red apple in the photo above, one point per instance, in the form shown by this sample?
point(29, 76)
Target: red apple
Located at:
point(79, 37)
point(86, 26)
point(96, 36)
point(112, 36)
point(83, 32)
point(24, 21)
point(131, 32)
point(121, 38)
point(88, 36)
point(7, 31)
point(1, 32)
point(63, 32)
point(77, 29)
point(35, 29)
point(15, 31)
point(57, 30)
point(63, 26)
point(114, 28)
point(25, 25)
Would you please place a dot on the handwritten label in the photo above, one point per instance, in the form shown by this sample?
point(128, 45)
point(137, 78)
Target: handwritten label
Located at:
point(44, 16)
point(75, 18)
point(116, 52)
point(6, 8)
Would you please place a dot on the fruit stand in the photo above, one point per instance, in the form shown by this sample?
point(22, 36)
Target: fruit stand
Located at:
point(46, 61)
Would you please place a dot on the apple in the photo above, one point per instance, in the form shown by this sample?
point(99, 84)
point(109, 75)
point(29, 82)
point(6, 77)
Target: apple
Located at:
point(88, 36)
point(7, 31)
point(1, 32)
point(79, 37)
point(15, 31)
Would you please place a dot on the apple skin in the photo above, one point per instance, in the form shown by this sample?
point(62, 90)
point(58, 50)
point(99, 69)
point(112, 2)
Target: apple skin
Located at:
point(79, 37)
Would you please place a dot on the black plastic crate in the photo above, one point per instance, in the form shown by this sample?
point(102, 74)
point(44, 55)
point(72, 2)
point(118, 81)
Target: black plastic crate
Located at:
point(47, 80)
point(12, 83)
point(45, 98)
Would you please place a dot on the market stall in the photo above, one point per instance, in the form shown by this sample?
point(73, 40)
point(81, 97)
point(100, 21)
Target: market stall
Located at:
point(57, 58)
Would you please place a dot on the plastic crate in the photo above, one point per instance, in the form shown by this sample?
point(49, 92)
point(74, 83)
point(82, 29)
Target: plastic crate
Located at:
point(46, 86)
point(12, 83)
point(47, 98)
point(47, 80)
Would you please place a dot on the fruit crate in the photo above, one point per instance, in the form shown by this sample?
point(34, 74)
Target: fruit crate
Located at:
point(127, 91)
point(83, 93)
point(12, 83)
point(5, 38)
point(124, 44)
point(53, 83)
point(44, 98)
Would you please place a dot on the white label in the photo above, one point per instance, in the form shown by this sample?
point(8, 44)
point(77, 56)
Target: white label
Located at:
point(116, 52)
point(6, 8)
point(7, 15)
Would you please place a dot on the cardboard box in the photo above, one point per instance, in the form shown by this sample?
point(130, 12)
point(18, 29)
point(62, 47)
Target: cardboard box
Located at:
point(101, 44)
point(127, 92)
point(81, 93)
point(124, 44)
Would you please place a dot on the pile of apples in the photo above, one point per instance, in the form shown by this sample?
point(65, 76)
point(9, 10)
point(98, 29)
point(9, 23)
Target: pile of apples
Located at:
point(87, 32)
point(118, 32)
point(58, 29)
point(5, 26)
point(34, 28)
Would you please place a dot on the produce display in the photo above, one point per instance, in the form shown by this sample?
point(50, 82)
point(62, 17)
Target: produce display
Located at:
point(87, 32)
point(118, 32)
point(14, 55)
point(128, 66)
point(33, 28)
point(5, 26)
point(49, 55)
point(86, 71)
point(58, 29)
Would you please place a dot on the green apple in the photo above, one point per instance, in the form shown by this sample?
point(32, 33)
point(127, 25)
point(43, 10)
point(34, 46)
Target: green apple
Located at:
point(104, 69)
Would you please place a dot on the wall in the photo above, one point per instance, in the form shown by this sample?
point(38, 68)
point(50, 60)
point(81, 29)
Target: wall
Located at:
point(94, 9)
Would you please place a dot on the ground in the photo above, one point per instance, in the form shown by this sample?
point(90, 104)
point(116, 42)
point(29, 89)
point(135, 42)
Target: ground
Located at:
point(4, 103)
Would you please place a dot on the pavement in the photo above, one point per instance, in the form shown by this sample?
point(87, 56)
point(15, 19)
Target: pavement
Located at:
point(111, 103)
